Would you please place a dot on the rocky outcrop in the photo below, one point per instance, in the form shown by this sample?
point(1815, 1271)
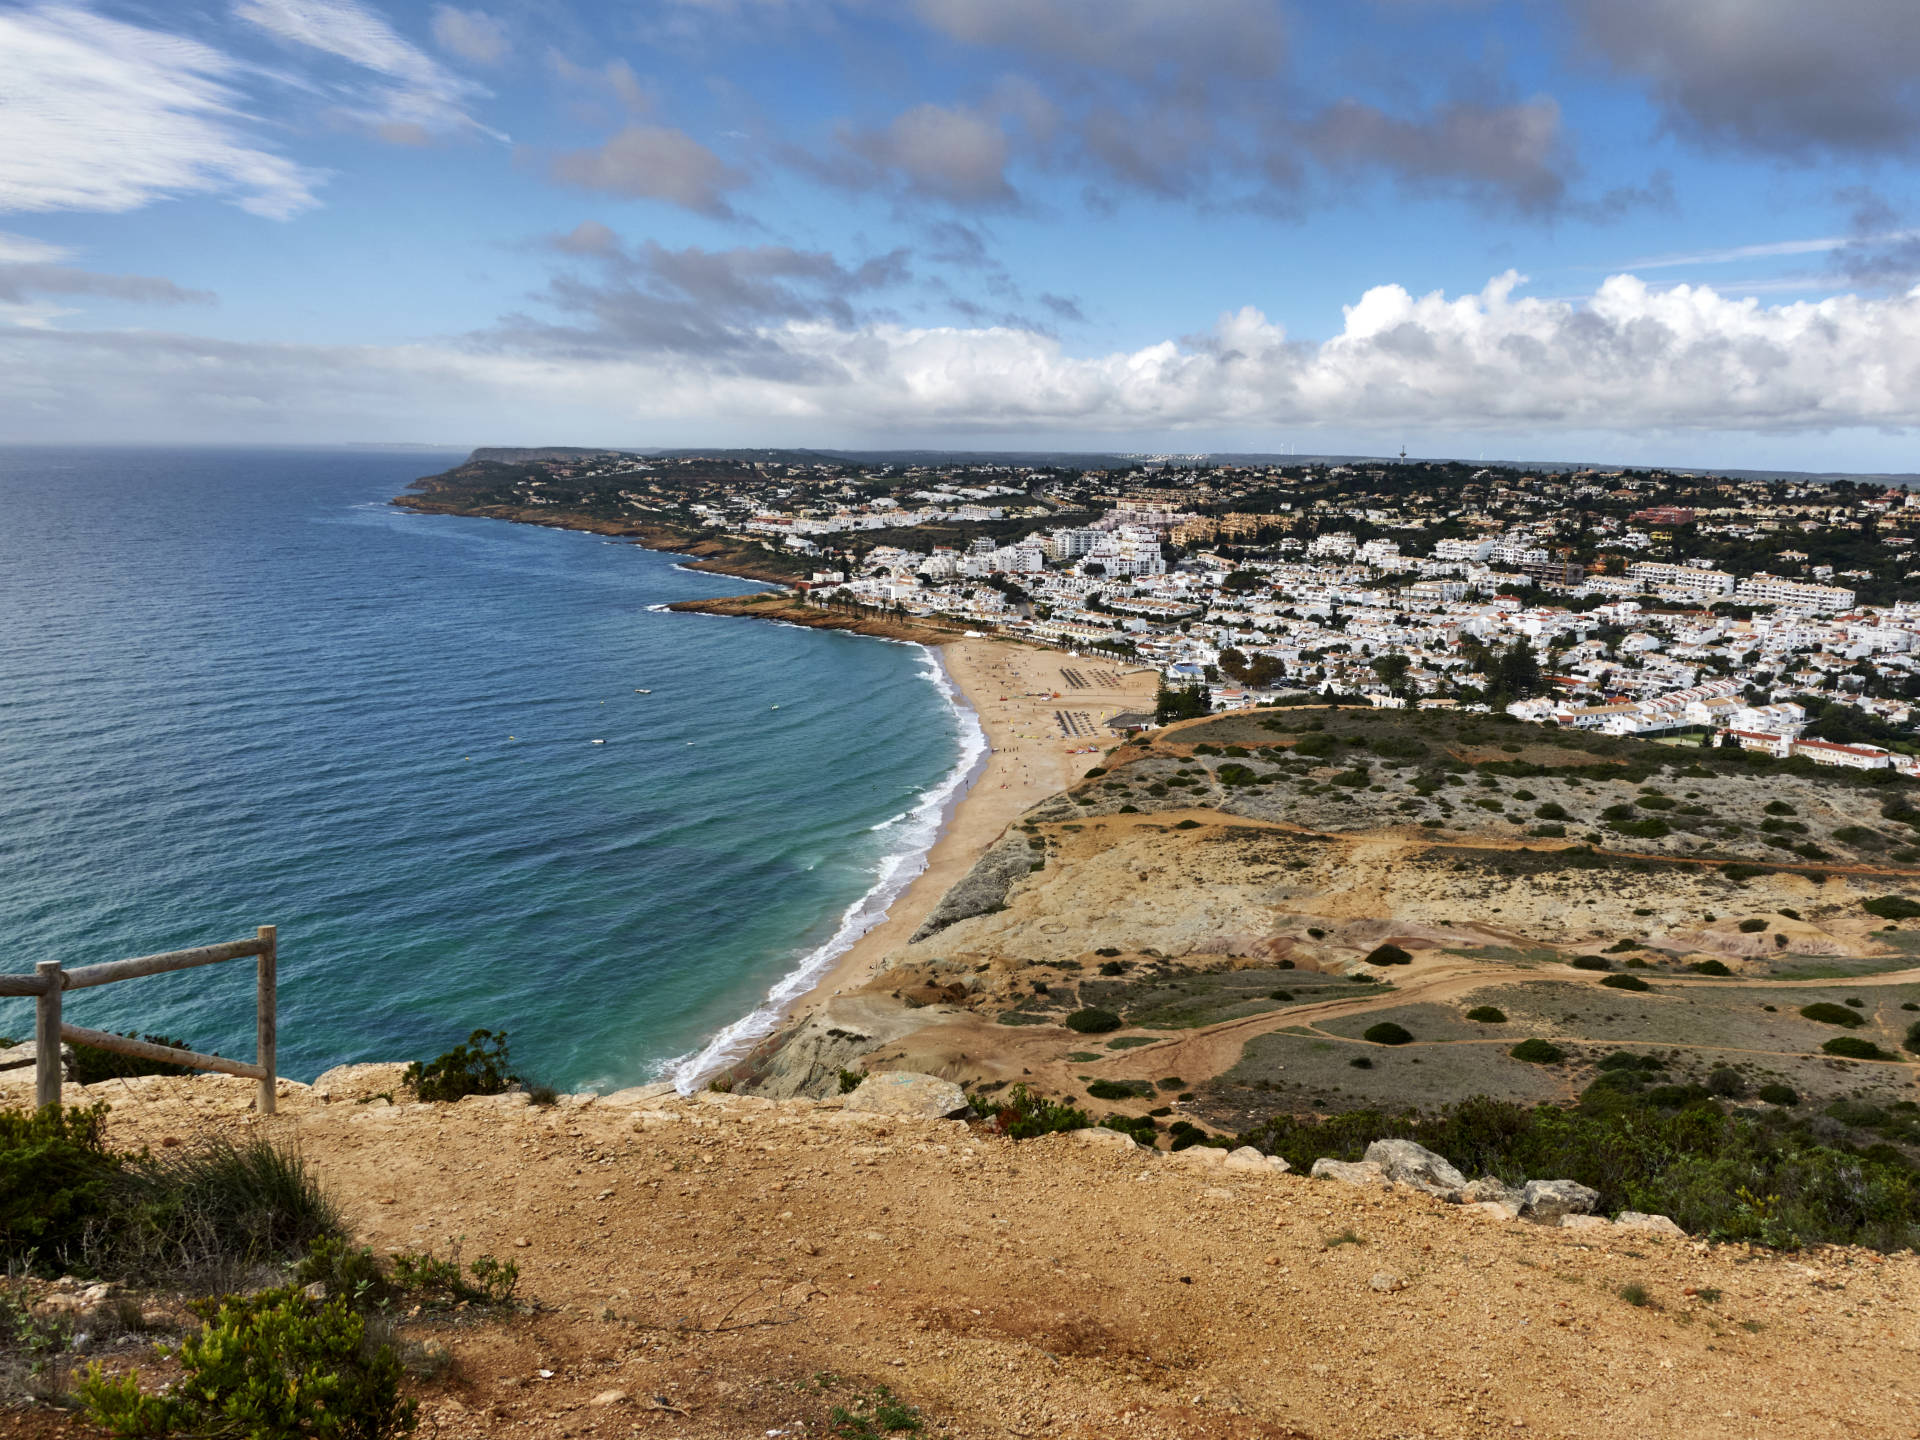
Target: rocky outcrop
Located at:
point(904, 1093)
point(1548, 1202)
point(807, 1058)
point(1406, 1163)
point(1363, 1172)
point(984, 888)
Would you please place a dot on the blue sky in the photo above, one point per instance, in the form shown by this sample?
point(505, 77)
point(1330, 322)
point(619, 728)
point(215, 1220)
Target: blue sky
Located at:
point(1632, 230)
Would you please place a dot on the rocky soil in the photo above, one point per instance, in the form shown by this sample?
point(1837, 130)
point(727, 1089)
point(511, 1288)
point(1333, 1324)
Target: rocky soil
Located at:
point(730, 1266)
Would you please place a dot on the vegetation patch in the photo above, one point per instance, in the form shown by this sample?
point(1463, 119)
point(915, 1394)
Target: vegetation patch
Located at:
point(1827, 1013)
point(1538, 1052)
point(1852, 1047)
point(1487, 1015)
point(1387, 1033)
point(1388, 955)
point(1625, 982)
point(1093, 1021)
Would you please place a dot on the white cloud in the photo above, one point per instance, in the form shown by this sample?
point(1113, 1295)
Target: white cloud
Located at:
point(101, 115)
point(424, 99)
point(25, 250)
point(1630, 360)
point(471, 34)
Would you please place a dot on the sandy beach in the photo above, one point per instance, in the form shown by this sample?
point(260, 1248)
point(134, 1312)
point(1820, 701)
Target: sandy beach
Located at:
point(1016, 691)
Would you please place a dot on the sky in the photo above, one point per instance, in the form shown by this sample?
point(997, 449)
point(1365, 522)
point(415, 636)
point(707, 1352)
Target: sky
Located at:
point(1626, 231)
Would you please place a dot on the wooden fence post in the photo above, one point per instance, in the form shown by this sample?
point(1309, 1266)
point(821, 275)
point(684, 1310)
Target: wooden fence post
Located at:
point(266, 1021)
point(46, 1034)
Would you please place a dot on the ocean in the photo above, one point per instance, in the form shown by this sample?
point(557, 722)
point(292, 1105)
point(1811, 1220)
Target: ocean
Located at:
point(239, 688)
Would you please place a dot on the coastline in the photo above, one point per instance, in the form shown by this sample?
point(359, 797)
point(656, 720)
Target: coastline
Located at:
point(1008, 686)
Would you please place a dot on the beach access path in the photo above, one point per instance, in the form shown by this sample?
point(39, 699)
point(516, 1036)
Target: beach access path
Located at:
point(1027, 705)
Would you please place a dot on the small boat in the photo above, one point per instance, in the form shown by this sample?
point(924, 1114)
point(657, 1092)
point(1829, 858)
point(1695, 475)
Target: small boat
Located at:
point(643, 692)
point(775, 707)
point(598, 742)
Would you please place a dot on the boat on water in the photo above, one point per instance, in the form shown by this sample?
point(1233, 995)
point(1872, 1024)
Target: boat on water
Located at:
point(643, 692)
point(597, 742)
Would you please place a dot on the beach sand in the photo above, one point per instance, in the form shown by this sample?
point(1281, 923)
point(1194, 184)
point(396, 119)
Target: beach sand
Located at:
point(1015, 690)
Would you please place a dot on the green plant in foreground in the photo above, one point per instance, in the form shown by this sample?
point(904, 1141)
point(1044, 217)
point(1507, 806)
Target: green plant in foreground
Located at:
point(1636, 1294)
point(876, 1413)
point(265, 1366)
point(1023, 1115)
point(55, 1170)
point(479, 1067)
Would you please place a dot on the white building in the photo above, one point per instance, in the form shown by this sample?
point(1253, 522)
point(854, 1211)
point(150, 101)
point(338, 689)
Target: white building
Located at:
point(1764, 589)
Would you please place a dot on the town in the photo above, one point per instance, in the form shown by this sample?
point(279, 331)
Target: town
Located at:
point(1775, 614)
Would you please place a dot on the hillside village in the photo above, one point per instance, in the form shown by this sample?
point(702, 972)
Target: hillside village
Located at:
point(1656, 604)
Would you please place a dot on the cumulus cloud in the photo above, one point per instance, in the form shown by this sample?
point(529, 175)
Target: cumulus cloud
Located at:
point(471, 34)
point(103, 115)
point(653, 162)
point(1627, 361)
point(417, 96)
point(1779, 77)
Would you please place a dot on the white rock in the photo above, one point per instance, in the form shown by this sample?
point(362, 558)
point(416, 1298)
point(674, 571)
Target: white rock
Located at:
point(1205, 1157)
point(1495, 1209)
point(1386, 1282)
point(1246, 1158)
point(1585, 1222)
point(1651, 1224)
point(1406, 1163)
point(1363, 1172)
point(1101, 1136)
point(1545, 1202)
point(904, 1093)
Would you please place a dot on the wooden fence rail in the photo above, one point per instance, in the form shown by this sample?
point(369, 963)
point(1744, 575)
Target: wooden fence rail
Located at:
point(50, 982)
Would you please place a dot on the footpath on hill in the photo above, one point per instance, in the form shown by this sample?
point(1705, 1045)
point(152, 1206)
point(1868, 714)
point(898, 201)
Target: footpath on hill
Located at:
point(724, 1265)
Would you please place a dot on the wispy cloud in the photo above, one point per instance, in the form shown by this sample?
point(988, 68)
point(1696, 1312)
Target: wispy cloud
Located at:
point(418, 96)
point(103, 115)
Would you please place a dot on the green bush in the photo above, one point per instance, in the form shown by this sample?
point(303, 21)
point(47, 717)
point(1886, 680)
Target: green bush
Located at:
point(1651, 828)
point(1761, 1178)
point(1891, 907)
point(1852, 1047)
point(1775, 1093)
point(1552, 810)
point(1119, 1089)
point(1022, 1115)
point(1827, 1013)
point(1625, 982)
point(1092, 1021)
point(56, 1174)
point(1780, 807)
point(1753, 926)
point(1388, 954)
point(1710, 967)
point(211, 1210)
point(1726, 1082)
point(1538, 1052)
point(1912, 1042)
point(1142, 1130)
point(479, 1067)
point(1112, 967)
point(1627, 1060)
point(91, 1064)
point(1487, 1015)
point(1387, 1033)
point(265, 1366)
point(1591, 962)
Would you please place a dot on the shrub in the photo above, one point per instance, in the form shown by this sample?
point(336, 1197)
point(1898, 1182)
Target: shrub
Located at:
point(479, 1067)
point(1827, 1013)
point(91, 1064)
point(1591, 962)
point(1627, 1060)
point(1651, 828)
point(1093, 1021)
point(55, 1173)
point(271, 1364)
point(1753, 926)
point(1552, 810)
point(1487, 1015)
point(1188, 825)
point(1852, 1047)
point(1388, 955)
point(1022, 1115)
point(1112, 967)
point(1709, 967)
point(1625, 982)
point(1726, 1082)
point(1119, 1089)
point(1912, 1042)
point(1891, 907)
point(1774, 1093)
point(1360, 1062)
point(1635, 1294)
point(1538, 1052)
point(211, 1210)
point(1108, 950)
point(1387, 1033)
point(1142, 1130)
point(1780, 807)
point(1281, 995)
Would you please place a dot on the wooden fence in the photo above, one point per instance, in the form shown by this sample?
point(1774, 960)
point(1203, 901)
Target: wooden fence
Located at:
point(49, 983)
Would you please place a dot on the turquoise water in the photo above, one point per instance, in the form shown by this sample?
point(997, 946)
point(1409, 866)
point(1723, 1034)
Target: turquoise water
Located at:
point(238, 688)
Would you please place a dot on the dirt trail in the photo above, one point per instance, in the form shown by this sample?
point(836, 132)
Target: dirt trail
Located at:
point(721, 1252)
